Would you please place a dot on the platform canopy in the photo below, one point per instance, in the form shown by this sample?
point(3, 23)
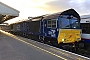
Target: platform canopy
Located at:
point(7, 12)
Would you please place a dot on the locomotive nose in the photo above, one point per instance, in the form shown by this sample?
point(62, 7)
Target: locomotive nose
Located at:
point(68, 36)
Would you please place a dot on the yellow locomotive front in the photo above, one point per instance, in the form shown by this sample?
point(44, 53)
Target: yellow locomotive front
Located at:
point(69, 36)
point(69, 29)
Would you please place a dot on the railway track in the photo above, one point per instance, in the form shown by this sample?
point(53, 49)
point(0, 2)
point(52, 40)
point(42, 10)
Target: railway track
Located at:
point(83, 52)
point(80, 51)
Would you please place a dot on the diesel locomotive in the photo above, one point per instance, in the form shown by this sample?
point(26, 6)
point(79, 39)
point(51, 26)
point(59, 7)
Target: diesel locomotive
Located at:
point(61, 29)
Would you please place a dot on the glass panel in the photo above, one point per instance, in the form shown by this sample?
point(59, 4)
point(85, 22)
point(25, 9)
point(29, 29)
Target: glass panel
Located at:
point(49, 23)
point(53, 23)
point(69, 22)
point(85, 28)
point(65, 23)
point(75, 24)
point(53, 26)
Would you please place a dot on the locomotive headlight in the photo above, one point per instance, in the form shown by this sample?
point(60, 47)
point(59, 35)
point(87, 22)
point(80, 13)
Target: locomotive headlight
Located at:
point(62, 39)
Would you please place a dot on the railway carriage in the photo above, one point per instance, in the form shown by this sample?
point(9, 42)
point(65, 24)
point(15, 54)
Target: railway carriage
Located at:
point(16, 28)
point(85, 25)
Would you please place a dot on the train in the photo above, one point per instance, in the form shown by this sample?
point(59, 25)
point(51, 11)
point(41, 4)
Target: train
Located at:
point(60, 29)
point(85, 26)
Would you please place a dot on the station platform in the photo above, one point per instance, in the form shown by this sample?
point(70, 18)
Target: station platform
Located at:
point(18, 48)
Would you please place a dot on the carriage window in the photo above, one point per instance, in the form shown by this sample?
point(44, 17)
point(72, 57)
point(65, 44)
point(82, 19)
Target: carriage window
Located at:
point(51, 23)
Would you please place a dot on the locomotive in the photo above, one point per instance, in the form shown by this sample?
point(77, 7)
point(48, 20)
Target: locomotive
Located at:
point(61, 29)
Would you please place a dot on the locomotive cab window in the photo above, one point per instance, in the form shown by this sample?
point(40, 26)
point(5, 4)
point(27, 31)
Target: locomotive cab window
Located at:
point(69, 22)
point(75, 23)
point(52, 23)
point(65, 23)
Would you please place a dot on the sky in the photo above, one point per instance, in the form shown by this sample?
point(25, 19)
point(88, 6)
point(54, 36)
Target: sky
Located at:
point(40, 7)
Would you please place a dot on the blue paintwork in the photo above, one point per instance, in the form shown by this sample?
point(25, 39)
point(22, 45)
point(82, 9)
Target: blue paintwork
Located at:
point(25, 29)
point(53, 32)
point(41, 28)
point(48, 32)
point(25, 26)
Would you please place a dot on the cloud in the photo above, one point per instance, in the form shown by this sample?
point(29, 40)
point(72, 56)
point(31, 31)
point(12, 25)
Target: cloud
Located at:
point(85, 6)
point(51, 6)
point(55, 5)
point(81, 6)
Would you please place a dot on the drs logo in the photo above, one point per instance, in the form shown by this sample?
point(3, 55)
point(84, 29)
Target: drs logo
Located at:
point(52, 33)
point(18, 27)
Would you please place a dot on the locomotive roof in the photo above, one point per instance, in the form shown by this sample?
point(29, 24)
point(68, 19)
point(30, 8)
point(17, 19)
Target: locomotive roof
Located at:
point(66, 12)
point(35, 18)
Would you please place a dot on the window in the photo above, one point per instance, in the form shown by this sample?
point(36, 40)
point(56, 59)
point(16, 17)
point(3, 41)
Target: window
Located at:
point(51, 23)
point(75, 23)
point(65, 23)
point(85, 28)
point(69, 22)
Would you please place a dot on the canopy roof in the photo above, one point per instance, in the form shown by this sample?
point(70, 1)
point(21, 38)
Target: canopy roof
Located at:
point(7, 12)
